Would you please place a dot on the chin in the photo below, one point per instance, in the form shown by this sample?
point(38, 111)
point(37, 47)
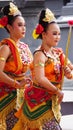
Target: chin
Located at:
point(23, 36)
point(56, 44)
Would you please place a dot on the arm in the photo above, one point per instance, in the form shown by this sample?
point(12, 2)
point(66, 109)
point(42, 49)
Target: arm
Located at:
point(40, 77)
point(4, 54)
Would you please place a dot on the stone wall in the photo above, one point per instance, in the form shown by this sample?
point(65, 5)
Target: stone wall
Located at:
point(30, 9)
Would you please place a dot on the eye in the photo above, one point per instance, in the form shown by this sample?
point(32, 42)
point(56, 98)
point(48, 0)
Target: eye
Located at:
point(24, 25)
point(19, 24)
point(55, 33)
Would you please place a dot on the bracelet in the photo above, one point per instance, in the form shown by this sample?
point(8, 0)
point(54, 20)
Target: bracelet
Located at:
point(2, 58)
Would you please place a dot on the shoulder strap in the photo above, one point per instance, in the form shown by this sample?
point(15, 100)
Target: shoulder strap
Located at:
point(41, 51)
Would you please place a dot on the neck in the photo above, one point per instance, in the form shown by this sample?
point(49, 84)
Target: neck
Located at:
point(15, 39)
point(46, 48)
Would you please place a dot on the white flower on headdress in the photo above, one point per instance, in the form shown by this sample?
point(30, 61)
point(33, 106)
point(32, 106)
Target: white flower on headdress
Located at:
point(13, 10)
point(49, 16)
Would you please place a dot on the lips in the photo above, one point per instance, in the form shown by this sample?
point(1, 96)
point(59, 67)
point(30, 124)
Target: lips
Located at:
point(23, 32)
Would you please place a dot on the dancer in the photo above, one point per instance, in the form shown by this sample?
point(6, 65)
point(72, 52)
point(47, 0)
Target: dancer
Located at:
point(15, 59)
point(41, 108)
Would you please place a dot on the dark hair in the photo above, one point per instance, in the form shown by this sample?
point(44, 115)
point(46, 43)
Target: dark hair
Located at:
point(11, 18)
point(41, 17)
point(43, 23)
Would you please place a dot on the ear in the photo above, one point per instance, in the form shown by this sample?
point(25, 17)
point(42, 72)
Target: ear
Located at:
point(9, 27)
point(43, 34)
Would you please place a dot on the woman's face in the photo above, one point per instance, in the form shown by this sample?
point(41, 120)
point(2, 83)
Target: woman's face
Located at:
point(18, 28)
point(52, 35)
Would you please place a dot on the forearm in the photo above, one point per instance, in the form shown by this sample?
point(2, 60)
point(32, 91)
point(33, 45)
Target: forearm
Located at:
point(8, 80)
point(44, 82)
point(52, 89)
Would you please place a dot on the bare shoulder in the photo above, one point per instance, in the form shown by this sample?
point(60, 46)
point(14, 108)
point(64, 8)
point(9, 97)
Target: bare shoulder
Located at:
point(39, 56)
point(39, 53)
point(5, 49)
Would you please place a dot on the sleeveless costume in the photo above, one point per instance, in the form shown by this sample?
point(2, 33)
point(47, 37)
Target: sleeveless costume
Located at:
point(39, 105)
point(13, 68)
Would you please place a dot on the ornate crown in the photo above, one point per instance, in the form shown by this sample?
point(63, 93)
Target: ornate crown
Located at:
point(13, 9)
point(49, 16)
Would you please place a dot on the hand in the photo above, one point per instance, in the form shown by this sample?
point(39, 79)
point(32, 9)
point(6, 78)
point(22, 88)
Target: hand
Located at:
point(60, 95)
point(25, 82)
point(67, 72)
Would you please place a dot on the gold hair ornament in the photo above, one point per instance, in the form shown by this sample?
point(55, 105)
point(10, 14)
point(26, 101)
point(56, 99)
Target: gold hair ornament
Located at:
point(49, 16)
point(13, 10)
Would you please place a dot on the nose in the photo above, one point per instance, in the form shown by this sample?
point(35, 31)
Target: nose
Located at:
point(58, 36)
point(24, 28)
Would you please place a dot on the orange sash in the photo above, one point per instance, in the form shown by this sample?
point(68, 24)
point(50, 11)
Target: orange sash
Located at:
point(15, 53)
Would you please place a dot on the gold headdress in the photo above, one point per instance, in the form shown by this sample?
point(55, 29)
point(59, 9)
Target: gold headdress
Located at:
point(49, 16)
point(13, 10)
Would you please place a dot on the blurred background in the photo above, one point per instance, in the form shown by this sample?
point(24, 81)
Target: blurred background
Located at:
point(63, 10)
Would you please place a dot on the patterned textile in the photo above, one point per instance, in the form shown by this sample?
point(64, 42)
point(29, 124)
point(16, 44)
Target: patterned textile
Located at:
point(26, 57)
point(39, 106)
point(51, 125)
point(13, 68)
point(7, 97)
point(7, 93)
point(36, 95)
point(34, 114)
point(11, 120)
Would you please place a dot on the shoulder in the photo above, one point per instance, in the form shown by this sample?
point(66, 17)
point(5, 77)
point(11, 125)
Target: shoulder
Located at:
point(37, 51)
point(4, 45)
point(5, 50)
point(39, 56)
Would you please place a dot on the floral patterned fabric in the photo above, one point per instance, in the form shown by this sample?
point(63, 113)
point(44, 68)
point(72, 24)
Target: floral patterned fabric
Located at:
point(26, 57)
point(51, 125)
point(20, 64)
point(38, 110)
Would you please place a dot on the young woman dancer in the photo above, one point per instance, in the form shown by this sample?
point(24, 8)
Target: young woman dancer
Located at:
point(41, 108)
point(15, 59)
